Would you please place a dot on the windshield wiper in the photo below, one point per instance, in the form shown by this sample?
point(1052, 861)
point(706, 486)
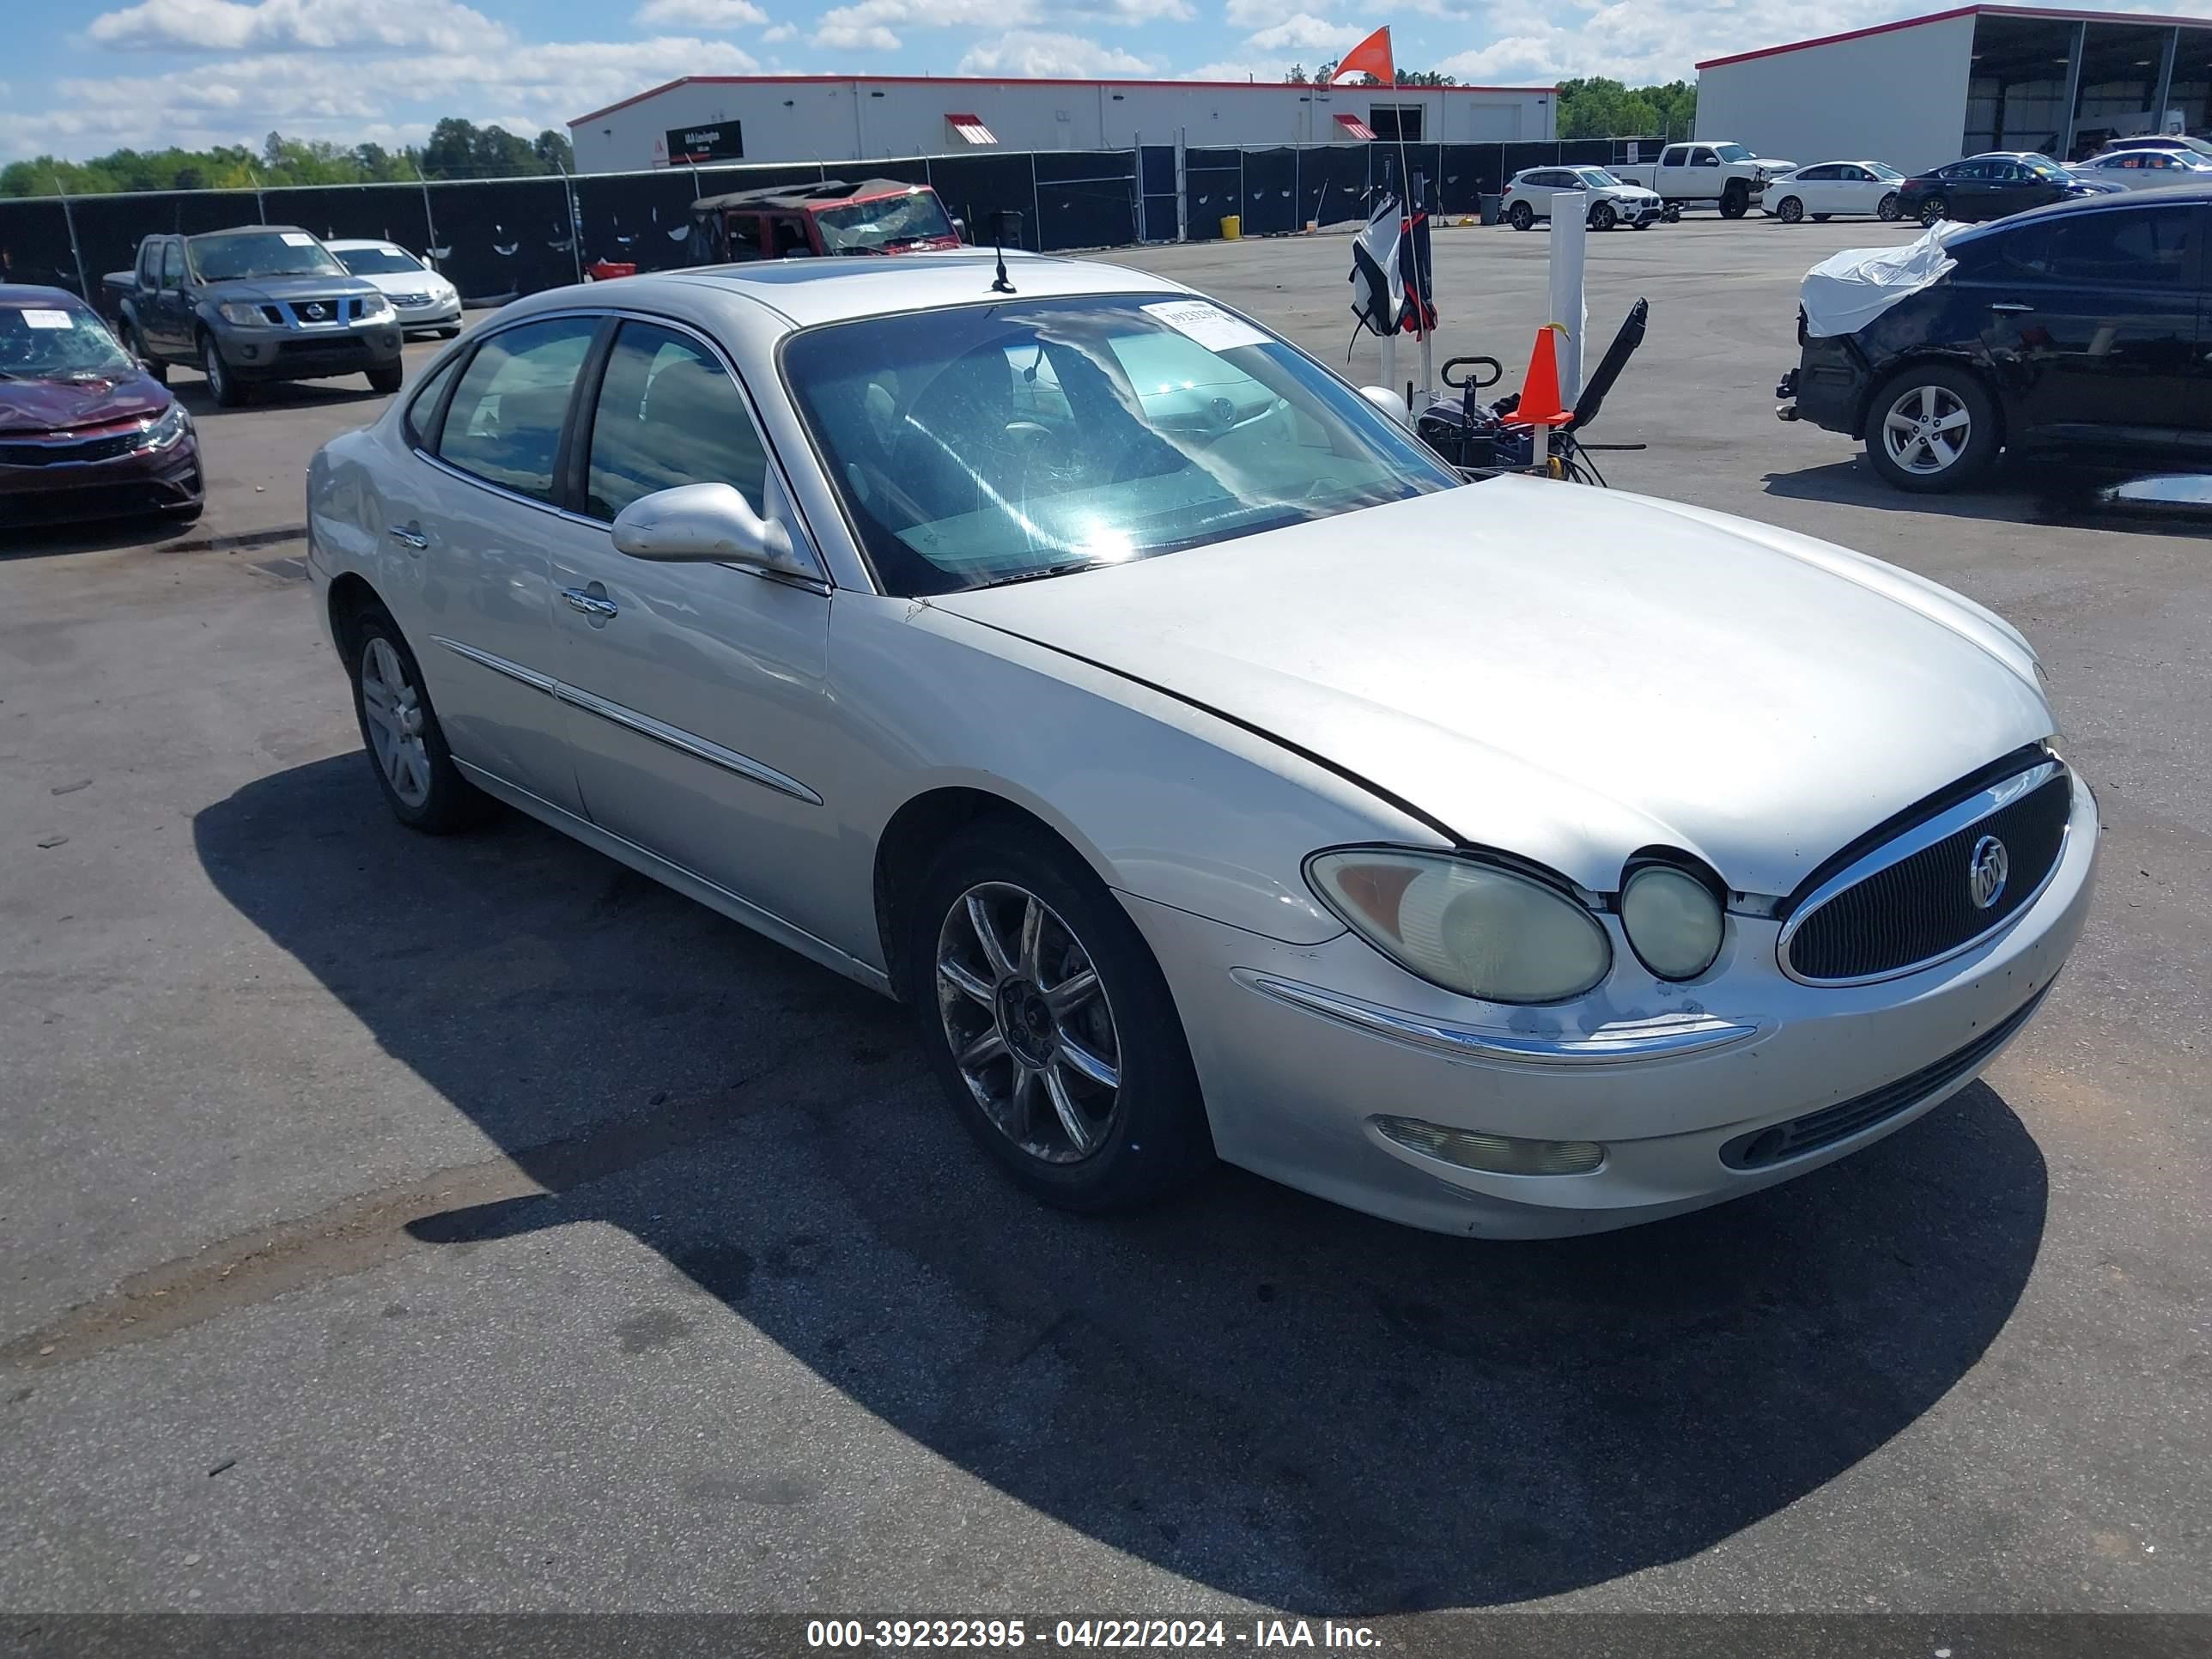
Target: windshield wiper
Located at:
point(1039, 574)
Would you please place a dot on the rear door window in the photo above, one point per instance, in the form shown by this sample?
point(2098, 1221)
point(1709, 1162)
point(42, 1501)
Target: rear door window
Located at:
point(504, 422)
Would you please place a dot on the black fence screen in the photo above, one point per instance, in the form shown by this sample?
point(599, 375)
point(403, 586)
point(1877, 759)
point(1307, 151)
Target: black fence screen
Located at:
point(498, 238)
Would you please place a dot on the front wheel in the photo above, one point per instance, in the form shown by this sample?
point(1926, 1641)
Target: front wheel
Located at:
point(1521, 216)
point(406, 746)
point(1932, 428)
point(1790, 209)
point(223, 385)
point(387, 378)
point(1934, 209)
point(1050, 1024)
point(1890, 211)
point(1603, 216)
point(1735, 203)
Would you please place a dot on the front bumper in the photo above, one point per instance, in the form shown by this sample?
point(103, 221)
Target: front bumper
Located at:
point(1673, 1081)
point(438, 313)
point(146, 480)
point(275, 353)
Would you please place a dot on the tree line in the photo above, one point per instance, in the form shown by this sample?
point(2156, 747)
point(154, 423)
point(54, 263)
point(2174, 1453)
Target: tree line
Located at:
point(455, 149)
point(1592, 108)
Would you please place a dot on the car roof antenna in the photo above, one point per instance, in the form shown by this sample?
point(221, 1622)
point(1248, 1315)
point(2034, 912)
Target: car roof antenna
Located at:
point(1002, 283)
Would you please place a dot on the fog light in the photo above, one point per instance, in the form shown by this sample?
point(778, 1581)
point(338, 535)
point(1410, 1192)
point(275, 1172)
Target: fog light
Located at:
point(1492, 1154)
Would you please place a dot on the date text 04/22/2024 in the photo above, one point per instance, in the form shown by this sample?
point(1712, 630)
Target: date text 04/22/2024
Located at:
point(1162, 1634)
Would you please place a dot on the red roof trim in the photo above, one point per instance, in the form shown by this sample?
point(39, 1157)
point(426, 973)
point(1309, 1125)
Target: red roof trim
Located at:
point(2050, 13)
point(949, 80)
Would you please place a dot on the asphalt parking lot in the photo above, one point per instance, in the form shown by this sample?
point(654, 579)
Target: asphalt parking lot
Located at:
point(398, 1224)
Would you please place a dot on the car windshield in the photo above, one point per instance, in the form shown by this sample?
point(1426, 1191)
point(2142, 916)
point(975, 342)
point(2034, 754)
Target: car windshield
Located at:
point(1596, 178)
point(232, 256)
point(2049, 171)
point(1880, 171)
point(1734, 153)
point(883, 222)
point(377, 261)
point(56, 343)
point(1002, 442)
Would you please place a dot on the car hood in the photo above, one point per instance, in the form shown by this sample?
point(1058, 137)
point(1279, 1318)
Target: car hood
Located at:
point(1627, 190)
point(58, 405)
point(405, 282)
point(1571, 674)
point(289, 288)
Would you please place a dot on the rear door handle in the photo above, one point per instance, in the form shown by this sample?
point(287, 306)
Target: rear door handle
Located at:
point(407, 537)
point(592, 605)
point(2010, 308)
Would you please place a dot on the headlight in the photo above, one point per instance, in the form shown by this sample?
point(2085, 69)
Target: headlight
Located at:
point(245, 315)
point(1474, 928)
point(169, 427)
point(375, 308)
point(1673, 920)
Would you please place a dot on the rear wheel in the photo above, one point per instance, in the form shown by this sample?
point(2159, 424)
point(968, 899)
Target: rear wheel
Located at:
point(1891, 208)
point(1930, 428)
point(1934, 209)
point(1521, 216)
point(1821, 218)
point(1603, 216)
point(223, 385)
point(1050, 1024)
point(406, 746)
point(1790, 209)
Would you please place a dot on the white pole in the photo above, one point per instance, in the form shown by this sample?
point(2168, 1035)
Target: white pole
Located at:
point(1388, 369)
point(1569, 308)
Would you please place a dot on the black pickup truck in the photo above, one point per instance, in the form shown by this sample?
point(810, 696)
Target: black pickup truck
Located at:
point(261, 302)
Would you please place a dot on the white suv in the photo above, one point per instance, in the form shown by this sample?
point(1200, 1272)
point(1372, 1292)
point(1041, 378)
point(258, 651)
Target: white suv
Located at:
point(1528, 198)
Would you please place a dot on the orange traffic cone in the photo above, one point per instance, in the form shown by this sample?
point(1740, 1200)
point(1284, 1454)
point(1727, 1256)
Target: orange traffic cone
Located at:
point(1539, 393)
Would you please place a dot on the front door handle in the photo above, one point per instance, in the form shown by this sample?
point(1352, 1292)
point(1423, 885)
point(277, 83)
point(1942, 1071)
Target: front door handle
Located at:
point(407, 537)
point(592, 605)
point(2011, 307)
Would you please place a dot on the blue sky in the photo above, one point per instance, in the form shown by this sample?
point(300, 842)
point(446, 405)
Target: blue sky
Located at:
point(81, 80)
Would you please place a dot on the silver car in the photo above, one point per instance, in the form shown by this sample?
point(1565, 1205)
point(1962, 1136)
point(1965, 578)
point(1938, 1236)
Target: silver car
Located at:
point(1214, 772)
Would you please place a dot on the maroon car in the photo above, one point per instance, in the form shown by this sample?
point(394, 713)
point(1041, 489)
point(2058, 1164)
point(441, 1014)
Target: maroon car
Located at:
point(85, 433)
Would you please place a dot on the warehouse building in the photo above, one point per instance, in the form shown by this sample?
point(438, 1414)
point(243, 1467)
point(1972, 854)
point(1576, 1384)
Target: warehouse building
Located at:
point(1927, 90)
point(725, 118)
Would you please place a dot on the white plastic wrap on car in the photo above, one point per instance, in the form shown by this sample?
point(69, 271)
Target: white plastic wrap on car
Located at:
point(1848, 290)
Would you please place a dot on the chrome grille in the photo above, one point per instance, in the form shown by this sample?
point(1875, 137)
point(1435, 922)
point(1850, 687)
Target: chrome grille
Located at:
point(1913, 901)
point(1825, 1127)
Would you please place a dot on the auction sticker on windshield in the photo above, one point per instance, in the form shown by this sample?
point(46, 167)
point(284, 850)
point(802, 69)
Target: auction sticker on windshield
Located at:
point(298, 238)
point(47, 318)
point(1209, 325)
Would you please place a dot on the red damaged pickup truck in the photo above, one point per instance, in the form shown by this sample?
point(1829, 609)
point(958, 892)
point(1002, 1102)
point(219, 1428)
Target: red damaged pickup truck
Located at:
point(877, 215)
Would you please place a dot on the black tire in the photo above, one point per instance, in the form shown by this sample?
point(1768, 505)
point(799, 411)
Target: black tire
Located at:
point(1946, 384)
point(1155, 1137)
point(451, 332)
point(1891, 208)
point(1821, 218)
point(136, 343)
point(1933, 209)
point(451, 802)
point(1790, 210)
point(223, 385)
point(387, 378)
point(1521, 216)
point(1641, 224)
point(1735, 201)
point(1603, 216)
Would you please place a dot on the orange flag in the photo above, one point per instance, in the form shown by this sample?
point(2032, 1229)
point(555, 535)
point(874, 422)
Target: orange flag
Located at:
point(1372, 55)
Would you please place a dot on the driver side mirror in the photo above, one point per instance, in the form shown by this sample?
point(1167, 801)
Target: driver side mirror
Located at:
point(707, 523)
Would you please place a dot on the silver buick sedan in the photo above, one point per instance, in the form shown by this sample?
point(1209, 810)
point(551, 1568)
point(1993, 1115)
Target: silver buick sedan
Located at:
point(1214, 772)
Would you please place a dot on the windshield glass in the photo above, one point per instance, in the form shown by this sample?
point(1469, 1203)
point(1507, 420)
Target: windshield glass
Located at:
point(2049, 171)
point(1001, 442)
point(882, 222)
point(1880, 171)
point(377, 261)
point(56, 343)
point(1598, 179)
point(230, 256)
point(1734, 153)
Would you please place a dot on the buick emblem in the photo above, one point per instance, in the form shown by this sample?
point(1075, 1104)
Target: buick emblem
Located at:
point(1986, 871)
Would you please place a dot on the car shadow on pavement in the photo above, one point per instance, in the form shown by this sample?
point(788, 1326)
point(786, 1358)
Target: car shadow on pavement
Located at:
point(191, 392)
point(95, 536)
point(1260, 1392)
point(2022, 491)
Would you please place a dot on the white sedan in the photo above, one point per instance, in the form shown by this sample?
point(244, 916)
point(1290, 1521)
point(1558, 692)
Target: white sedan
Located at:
point(423, 299)
point(2145, 169)
point(1827, 190)
point(1226, 779)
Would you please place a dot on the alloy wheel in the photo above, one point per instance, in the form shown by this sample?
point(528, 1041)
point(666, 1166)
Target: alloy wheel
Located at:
point(1029, 1023)
point(393, 708)
point(1790, 211)
point(1927, 430)
point(1933, 209)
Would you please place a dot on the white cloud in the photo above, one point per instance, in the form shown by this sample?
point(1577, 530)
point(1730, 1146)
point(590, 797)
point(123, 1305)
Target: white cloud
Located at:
point(698, 14)
point(1028, 54)
point(854, 37)
point(1240, 68)
point(780, 33)
point(1304, 32)
point(438, 26)
point(873, 25)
